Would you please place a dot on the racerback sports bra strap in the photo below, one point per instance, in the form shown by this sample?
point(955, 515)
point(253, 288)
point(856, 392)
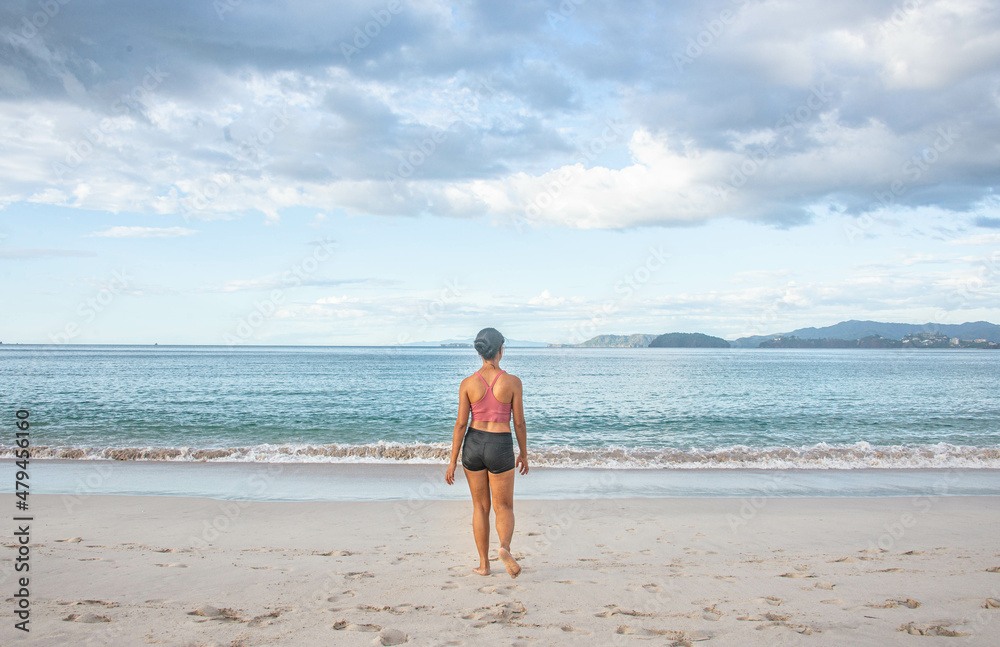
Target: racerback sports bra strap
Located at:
point(488, 385)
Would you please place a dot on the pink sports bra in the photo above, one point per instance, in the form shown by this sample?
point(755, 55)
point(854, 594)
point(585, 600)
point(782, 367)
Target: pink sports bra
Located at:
point(488, 408)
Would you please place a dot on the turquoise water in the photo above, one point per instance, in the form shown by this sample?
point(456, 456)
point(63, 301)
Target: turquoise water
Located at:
point(584, 407)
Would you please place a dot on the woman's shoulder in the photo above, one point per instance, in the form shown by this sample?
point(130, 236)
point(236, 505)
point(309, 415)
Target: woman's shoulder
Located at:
point(510, 377)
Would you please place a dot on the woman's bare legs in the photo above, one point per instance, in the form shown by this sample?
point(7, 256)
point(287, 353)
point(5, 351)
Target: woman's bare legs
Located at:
point(502, 486)
point(479, 485)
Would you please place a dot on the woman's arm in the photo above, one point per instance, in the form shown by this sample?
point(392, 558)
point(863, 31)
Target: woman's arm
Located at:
point(461, 424)
point(520, 428)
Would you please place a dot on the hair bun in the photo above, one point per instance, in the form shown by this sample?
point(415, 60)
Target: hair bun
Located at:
point(488, 342)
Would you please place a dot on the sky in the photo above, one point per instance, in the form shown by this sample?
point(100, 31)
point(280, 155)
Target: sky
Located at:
point(250, 172)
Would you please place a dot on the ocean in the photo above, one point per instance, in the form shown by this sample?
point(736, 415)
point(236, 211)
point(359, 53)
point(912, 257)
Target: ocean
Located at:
point(604, 408)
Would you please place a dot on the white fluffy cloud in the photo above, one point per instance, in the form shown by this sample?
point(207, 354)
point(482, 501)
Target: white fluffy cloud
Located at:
point(143, 232)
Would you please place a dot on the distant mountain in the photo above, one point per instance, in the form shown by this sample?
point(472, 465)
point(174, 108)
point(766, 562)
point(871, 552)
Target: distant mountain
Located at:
point(617, 341)
point(854, 329)
point(688, 340)
point(510, 343)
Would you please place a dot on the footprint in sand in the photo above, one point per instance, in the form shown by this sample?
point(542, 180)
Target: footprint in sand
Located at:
point(72, 540)
point(711, 613)
point(930, 630)
point(264, 620)
point(652, 587)
point(400, 560)
point(86, 617)
point(991, 603)
point(891, 603)
point(833, 601)
point(993, 569)
point(572, 629)
point(392, 637)
point(773, 601)
point(343, 625)
point(208, 612)
point(357, 575)
point(343, 594)
point(614, 609)
point(172, 565)
point(449, 585)
point(825, 586)
point(701, 552)
point(502, 612)
point(796, 574)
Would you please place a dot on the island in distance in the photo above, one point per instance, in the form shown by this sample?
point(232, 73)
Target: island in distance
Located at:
point(846, 334)
point(668, 340)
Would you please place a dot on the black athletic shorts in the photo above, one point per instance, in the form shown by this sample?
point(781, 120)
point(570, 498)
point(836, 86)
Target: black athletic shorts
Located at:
point(485, 450)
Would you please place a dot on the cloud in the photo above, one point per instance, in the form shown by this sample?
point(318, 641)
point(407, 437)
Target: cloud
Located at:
point(25, 254)
point(143, 232)
point(287, 280)
point(463, 110)
point(979, 239)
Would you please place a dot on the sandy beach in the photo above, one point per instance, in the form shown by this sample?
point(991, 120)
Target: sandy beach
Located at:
point(130, 570)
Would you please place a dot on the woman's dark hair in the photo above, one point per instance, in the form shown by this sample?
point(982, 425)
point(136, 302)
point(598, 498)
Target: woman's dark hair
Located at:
point(488, 342)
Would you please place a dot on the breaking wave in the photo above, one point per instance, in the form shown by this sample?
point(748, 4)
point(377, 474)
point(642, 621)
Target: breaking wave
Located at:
point(821, 456)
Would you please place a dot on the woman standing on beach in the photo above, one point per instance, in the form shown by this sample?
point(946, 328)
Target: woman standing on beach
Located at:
point(492, 395)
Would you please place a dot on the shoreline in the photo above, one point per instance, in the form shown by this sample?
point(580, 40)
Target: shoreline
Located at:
point(356, 481)
point(862, 571)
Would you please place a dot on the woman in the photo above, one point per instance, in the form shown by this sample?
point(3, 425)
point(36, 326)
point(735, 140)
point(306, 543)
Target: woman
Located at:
point(491, 395)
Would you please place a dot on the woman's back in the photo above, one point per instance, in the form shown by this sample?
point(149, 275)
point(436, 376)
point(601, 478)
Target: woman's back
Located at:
point(493, 405)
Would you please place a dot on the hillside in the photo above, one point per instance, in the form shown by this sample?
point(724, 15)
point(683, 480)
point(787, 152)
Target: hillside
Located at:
point(617, 341)
point(688, 340)
point(853, 329)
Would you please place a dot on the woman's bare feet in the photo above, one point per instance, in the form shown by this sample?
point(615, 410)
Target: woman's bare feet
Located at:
point(482, 570)
point(513, 568)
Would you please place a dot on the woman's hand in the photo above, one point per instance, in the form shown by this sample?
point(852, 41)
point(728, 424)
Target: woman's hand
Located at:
point(449, 476)
point(522, 463)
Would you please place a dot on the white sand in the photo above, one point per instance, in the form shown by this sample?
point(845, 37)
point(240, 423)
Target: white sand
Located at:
point(596, 572)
